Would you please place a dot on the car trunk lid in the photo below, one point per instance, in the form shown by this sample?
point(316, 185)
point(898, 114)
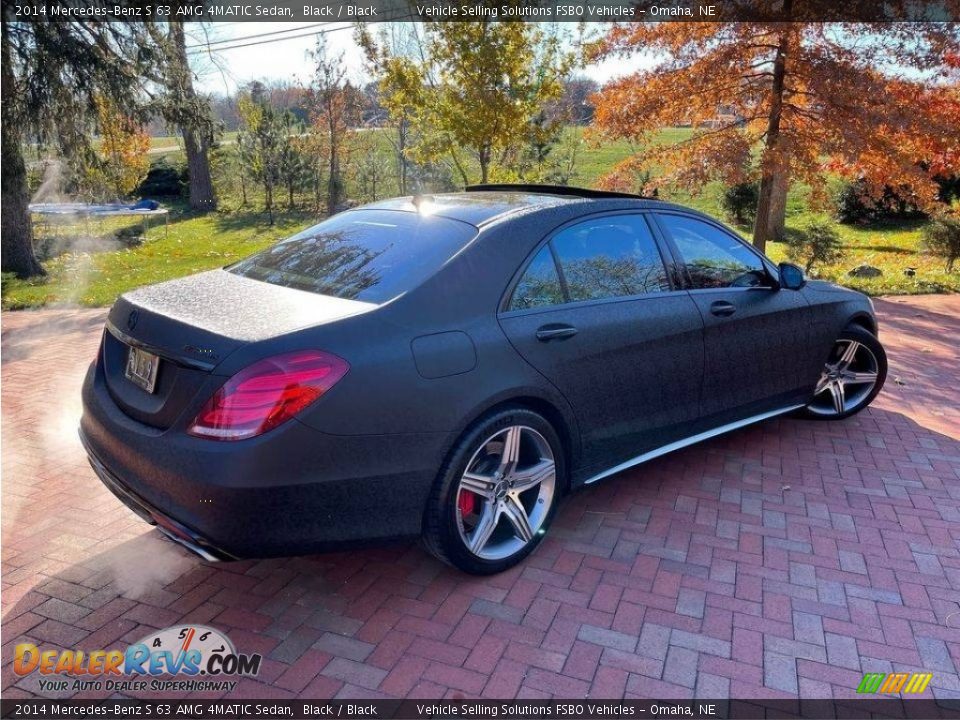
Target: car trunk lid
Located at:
point(192, 325)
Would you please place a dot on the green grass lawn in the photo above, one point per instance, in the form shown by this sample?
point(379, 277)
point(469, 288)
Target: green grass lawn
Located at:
point(164, 142)
point(171, 146)
point(596, 160)
point(891, 247)
point(191, 243)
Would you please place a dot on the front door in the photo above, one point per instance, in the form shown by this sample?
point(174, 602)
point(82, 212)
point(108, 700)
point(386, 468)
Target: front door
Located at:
point(596, 314)
point(760, 349)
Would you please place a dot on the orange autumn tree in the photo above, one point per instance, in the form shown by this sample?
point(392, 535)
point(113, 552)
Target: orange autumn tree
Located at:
point(871, 101)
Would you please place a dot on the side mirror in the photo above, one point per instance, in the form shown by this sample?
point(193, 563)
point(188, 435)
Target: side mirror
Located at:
point(791, 276)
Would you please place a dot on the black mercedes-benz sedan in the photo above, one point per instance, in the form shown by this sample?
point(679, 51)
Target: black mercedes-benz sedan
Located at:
point(450, 366)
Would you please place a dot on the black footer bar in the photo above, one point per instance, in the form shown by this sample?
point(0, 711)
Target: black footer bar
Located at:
point(482, 709)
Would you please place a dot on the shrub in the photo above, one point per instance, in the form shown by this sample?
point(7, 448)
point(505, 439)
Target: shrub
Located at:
point(739, 202)
point(850, 205)
point(853, 204)
point(941, 237)
point(816, 244)
point(119, 162)
point(163, 180)
point(948, 188)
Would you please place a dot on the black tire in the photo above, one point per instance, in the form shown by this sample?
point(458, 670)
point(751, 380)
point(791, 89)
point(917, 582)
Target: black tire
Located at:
point(441, 531)
point(864, 337)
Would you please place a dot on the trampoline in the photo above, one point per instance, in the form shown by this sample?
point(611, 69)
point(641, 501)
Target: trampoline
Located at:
point(145, 208)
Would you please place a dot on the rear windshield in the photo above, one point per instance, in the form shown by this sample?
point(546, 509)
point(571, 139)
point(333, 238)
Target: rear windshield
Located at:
point(368, 255)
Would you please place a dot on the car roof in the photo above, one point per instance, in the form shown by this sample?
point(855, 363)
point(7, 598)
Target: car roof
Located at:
point(476, 208)
point(482, 204)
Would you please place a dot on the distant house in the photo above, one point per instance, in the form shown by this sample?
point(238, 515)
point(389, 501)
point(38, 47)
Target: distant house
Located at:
point(725, 116)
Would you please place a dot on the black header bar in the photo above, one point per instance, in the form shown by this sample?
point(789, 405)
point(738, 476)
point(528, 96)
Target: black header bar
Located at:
point(472, 10)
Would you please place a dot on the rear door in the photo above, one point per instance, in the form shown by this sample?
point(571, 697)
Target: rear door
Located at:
point(761, 353)
point(595, 312)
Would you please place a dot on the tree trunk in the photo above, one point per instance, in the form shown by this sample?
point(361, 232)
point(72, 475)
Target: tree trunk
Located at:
point(196, 139)
point(776, 227)
point(17, 252)
point(334, 184)
point(484, 164)
point(402, 154)
point(202, 196)
point(334, 187)
point(16, 248)
point(772, 163)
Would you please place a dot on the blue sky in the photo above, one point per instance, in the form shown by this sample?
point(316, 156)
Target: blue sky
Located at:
point(221, 69)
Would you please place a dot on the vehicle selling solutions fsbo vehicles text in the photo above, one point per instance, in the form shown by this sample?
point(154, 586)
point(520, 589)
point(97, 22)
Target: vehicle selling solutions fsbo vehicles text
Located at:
point(473, 12)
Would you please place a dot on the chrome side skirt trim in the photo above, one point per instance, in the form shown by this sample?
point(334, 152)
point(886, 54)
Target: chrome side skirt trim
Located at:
point(693, 439)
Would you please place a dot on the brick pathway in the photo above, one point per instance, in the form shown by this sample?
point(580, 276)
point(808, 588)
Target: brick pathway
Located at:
point(787, 558)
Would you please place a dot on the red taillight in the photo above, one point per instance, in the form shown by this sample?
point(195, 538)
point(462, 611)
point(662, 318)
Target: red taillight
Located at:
point(267, 393)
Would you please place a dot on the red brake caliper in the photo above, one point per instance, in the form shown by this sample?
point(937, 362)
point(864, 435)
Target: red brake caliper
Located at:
point(467, 502)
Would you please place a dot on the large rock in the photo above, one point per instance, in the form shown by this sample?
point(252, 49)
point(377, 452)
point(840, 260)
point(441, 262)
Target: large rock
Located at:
point(865, 271)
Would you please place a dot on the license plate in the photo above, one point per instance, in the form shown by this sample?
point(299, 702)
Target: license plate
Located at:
point(142, 369)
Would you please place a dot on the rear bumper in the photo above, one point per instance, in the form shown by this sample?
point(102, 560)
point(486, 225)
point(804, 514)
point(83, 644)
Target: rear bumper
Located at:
point(174, 530)
point(293, 490)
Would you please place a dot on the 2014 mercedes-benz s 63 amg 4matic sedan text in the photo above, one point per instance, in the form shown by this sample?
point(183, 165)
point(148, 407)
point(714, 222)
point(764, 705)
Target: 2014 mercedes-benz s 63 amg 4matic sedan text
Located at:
point(450, 366)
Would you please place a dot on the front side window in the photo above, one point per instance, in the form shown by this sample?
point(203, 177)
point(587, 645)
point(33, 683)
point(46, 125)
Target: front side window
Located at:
point(609, 257)
point(368, 255)
point(712, 257)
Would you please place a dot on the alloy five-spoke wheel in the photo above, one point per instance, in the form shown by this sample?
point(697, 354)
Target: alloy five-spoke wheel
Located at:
point(506, 492)
point(497, 492)
point(851, 377)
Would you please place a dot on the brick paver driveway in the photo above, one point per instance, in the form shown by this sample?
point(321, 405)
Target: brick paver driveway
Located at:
point(788, 558)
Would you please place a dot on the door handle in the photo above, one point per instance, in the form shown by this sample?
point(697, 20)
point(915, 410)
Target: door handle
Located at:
point(722, 308)
point(546, 333)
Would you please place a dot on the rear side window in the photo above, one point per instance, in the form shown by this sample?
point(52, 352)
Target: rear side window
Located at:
point(610, 257)
point(540, 284)
point(368, 255)
point(713, 258)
